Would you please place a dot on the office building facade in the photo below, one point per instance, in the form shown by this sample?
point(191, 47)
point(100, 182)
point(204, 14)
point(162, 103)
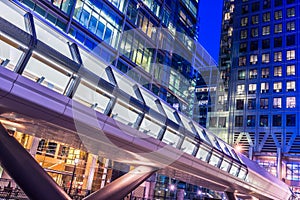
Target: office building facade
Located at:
point(258, 99)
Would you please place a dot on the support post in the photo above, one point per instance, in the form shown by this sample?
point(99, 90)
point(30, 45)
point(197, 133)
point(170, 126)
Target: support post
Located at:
point(279, 163)
point(26, 172)
point(122, 186)
point(230, 196)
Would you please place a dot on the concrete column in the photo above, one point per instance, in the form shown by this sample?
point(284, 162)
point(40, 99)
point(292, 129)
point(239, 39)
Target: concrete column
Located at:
point(91, 173)
point(34, 146)
point(103, 178)
point(279, 163)
point(180, 194)
point(230, 196)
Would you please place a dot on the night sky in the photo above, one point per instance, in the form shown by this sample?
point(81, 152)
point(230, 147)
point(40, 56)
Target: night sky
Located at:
point(210, 26)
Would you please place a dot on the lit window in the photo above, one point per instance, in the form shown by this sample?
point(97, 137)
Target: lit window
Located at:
point(278, 71)
point(277, 56)
point(266, 17)
point(266, 30)
point(244, 21)
point(290, 26)
point(252, 73)
point(240, 89)
point(254, 32)
point(227, 16)
point(291, 102)
point(290, 54)
point(255, 19)
point(291, 86)
point(265, 72)
point(252, 88)
point(290, 70)
point(241, 74)
point(265, 58)
point(290, 12)
point(277, 102)
point(277, 87)
point(253, 59)
point(278, 28)
point(264, 87)
point(278, 14)
point(242, 61)
point(264, 103)
point(243, 34)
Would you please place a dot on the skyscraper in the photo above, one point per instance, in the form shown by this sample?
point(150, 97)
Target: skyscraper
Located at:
point(259, 91)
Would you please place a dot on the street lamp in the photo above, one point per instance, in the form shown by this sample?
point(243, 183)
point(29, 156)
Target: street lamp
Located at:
point(73, 175)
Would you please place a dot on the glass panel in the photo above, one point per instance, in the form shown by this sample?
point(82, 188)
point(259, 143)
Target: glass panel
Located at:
point(124, 84)
point(171, 138)
point(185, 122)
point(169, 111)
point(201, 133)
point(224, 148)
point(93, 64)
point(214, 160)
point(202, 153)
point(242, 174)
point(124, 114)
point(52, 76)
point(150, 127)
point(9, 55)
point(234, 170)
point(213, 141)
point(225, 165)
point(87, 95)
point(188, 146)
point(12, 15)
point(53, 39)
point(149, 100)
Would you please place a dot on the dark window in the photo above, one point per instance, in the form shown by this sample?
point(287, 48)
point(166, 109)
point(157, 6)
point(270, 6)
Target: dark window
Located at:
point(251, 120)
point(267, 4)
point(290, 40)
point(264, 103)
point(240, 104)
point(266, 44)
point(254, 45)
point(291, 120)
point(263, 121)
point(238, 121)
point(278, 42)
point(277, 120)
point(245, 9)
point(243, 47)
point(278, 3)
point(290, 1)
point(255, 6)
point(251, 104)
point(222, 122)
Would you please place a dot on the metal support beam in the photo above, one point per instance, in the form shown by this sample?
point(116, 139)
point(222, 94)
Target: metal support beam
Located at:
point(122, 186)
point(230, 196)
point(26, 172)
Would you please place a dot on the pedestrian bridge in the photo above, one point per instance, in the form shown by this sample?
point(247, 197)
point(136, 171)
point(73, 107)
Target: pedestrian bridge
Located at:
point(52, 88)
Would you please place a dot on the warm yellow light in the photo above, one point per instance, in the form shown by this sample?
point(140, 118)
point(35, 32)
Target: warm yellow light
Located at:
point(10, 123)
